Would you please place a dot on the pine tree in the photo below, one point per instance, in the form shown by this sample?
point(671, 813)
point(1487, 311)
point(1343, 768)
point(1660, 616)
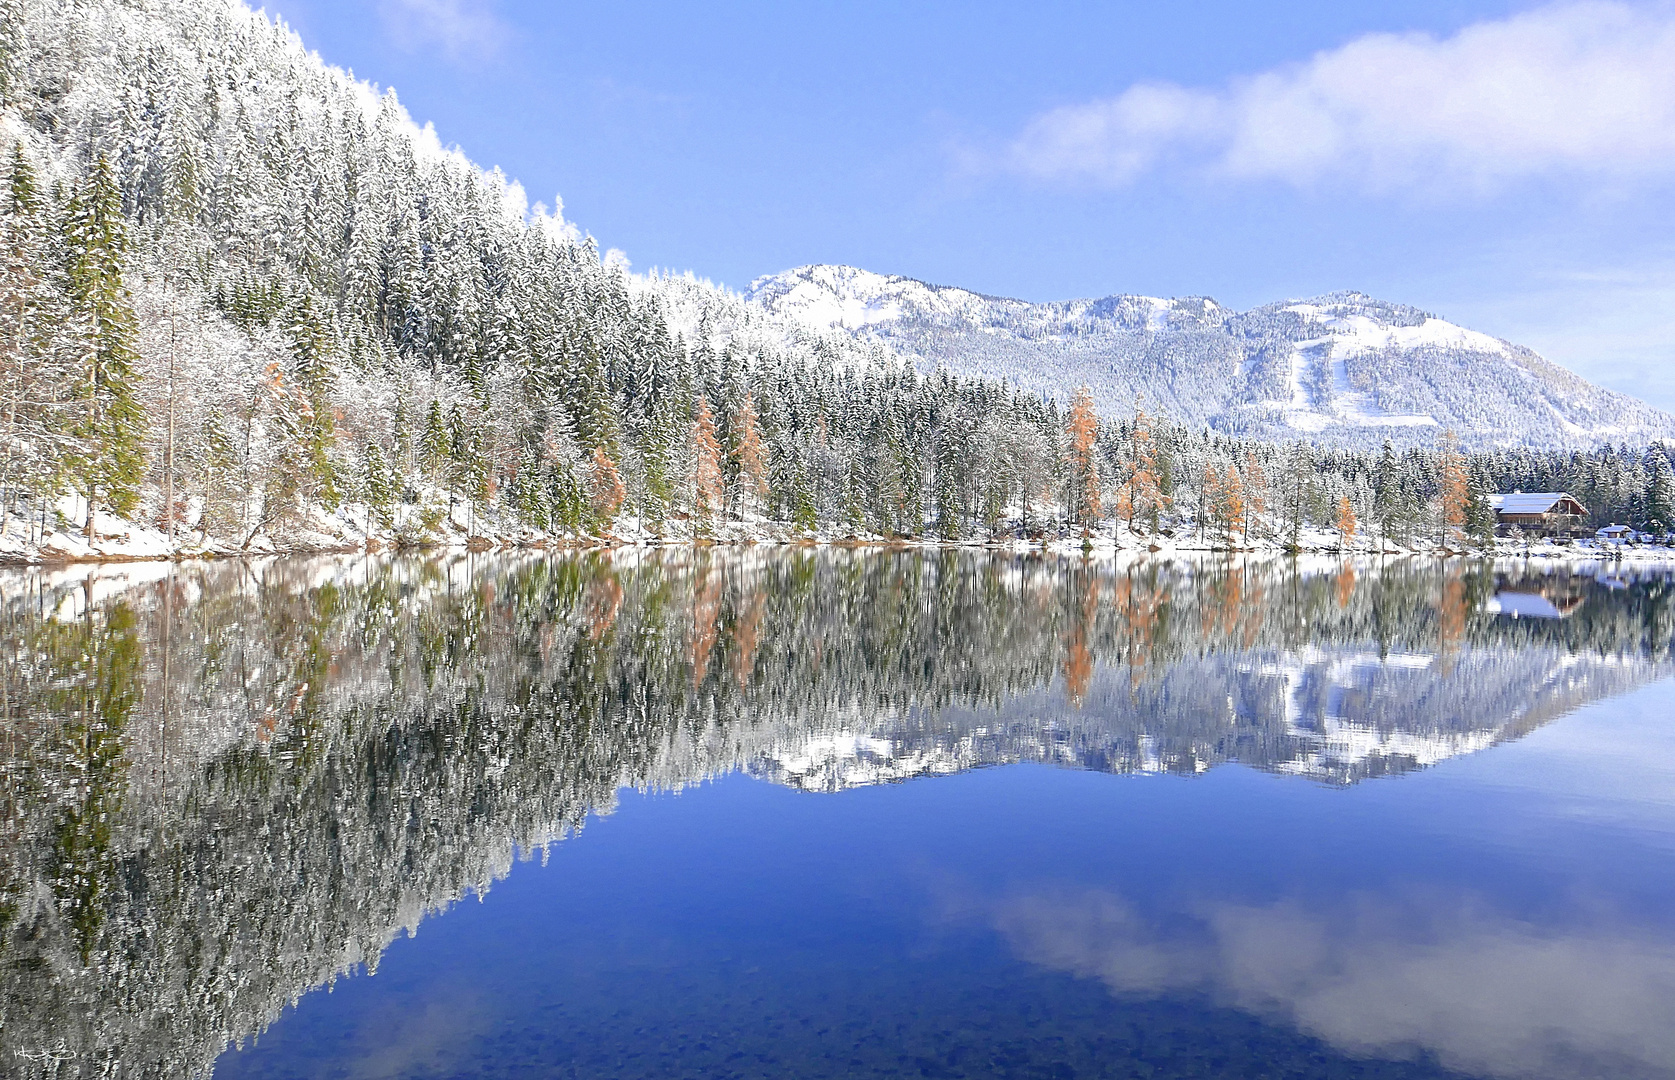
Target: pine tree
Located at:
point(312, 350)
point(1256, 493)
point(1388, 497)
point(109, 427)
point(28, 354)
point(951, 481)
point(11, 50)
point(1300, 491)
point(434, 443)
point(1660, 492)
point(380, 493)
point(1480, 516)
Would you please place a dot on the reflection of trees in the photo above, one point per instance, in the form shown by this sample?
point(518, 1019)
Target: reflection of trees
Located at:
point(230, 783)
point(1078, 660)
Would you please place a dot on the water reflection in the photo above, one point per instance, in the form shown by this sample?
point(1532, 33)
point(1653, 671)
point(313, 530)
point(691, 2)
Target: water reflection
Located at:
point(229, 783)
point(1483, 991)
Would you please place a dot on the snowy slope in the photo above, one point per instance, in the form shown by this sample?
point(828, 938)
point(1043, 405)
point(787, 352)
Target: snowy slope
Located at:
point(1342, 368)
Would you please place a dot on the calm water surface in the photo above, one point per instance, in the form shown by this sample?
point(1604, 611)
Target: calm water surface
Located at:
point(842, 814)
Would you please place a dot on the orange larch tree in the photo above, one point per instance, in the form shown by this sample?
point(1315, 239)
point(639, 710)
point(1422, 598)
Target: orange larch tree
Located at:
point(1141, 494)
point(1227, 499)
point(1455, 490)
point(751, 455)
point(1083, 429)
point(1346, 522)
point(605, 487)
point(706, 464)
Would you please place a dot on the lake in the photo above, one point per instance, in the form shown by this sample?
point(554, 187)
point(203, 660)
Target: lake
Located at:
point(837, 813)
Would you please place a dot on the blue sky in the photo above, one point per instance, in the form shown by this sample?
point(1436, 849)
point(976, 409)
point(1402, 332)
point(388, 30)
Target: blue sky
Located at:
point(1509, 166)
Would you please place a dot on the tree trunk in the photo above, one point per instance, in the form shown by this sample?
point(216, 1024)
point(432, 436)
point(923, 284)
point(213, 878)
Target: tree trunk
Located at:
point(168, 453)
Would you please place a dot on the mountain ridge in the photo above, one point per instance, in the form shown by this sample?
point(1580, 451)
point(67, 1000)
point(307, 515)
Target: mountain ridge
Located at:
point(1343, 367)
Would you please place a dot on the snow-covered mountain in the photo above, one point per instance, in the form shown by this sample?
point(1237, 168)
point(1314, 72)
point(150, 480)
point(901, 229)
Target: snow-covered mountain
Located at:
point(1342, 368)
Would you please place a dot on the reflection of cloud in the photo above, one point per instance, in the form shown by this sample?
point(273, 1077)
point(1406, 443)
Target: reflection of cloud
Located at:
point(403, 1041)
point(1482, 991)
point(461, 29)
point(1097, 935)
point(1586, 87)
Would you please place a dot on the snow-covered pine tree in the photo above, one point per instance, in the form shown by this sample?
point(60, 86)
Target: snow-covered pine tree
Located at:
point(108, 428)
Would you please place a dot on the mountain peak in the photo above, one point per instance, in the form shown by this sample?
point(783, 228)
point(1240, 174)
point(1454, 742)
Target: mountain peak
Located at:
point(1343, 367)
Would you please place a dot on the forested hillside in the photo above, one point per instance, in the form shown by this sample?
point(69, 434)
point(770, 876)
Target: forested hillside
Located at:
point(246, 304)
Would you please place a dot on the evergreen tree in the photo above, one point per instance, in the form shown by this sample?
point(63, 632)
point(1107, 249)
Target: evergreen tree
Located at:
point(29, 351)
point(380, 493)
point(1660, 492)
point(435, 447)
point(312, 350)
point(109, 426)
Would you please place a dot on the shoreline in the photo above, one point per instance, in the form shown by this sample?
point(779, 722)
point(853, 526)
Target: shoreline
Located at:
point(56, 556)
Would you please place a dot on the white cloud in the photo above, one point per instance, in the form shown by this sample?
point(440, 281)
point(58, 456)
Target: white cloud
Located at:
point(461, 29)
point(1579, 88)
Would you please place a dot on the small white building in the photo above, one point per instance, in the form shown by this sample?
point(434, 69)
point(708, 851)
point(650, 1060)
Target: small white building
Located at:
point(1615, 534)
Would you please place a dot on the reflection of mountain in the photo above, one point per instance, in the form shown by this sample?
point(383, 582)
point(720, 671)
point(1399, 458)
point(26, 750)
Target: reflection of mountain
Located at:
point(1334, 714)
point(226, 784)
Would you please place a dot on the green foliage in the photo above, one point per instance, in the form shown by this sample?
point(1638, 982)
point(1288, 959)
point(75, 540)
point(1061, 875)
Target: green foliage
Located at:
point(435, 444)
point(109, 427)
point(95, 688)
point(1660, 492)
point(312, 370)
point(380, 492)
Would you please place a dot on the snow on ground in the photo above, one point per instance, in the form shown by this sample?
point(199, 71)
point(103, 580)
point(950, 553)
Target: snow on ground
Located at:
point(815, 305)
point(433, 523)
point(1157, 319)
point(1362, 333)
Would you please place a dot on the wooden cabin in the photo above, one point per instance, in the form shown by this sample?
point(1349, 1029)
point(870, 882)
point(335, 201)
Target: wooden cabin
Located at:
point(1538, 513)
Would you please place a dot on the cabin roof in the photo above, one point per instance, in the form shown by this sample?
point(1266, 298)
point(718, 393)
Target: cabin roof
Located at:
point(1530, 502)
point(1523, 606)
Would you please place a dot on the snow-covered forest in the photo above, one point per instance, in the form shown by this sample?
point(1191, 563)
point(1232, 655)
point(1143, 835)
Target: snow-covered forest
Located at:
point(247, 304)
